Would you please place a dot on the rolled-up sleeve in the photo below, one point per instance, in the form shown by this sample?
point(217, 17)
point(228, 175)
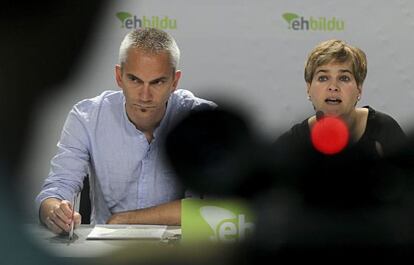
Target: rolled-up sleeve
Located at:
point(71, 163)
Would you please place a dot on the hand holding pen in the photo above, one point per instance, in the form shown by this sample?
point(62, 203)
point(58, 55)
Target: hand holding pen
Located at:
point(58, 215)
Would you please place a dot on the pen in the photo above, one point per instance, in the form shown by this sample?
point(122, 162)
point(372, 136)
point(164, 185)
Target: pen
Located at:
point(72, 223)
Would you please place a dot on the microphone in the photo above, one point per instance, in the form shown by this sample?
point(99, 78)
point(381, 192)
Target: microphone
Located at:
point(319, 115)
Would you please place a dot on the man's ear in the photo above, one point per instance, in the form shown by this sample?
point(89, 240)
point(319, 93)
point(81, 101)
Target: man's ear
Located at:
point(118, 75)
point(177, 76)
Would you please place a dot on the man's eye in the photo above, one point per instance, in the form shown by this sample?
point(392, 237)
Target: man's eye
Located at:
point(158, 82)
point(134, 79)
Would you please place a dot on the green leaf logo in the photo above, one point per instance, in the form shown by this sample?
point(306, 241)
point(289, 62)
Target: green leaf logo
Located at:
point(289, 17)
point(122, 16)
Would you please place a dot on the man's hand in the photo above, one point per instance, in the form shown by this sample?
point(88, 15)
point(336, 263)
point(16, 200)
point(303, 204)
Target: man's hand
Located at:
point(57, 215)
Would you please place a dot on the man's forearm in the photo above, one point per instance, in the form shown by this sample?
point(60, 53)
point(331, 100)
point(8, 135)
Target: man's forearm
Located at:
point(163, 214)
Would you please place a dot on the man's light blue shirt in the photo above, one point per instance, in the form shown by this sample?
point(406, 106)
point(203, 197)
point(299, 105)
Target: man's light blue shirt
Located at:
point(126, 172)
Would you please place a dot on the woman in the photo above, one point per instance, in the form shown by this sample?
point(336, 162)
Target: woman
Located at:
point(334, 73)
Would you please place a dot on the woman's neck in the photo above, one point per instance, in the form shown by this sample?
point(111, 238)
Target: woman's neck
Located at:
point(355, 121)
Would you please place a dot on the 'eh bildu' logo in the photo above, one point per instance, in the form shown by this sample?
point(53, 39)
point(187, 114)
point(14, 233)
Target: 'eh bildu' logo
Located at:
point(297, 22)
point(227, 227)
point(132, 22)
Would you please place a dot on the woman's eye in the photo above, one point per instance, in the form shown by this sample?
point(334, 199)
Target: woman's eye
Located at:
point(345, 78)
point(322, 78)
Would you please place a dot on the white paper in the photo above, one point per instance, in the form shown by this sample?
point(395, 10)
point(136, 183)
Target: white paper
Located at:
point(127, 232)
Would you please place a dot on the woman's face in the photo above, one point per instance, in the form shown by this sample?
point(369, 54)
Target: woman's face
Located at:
point(333, 89)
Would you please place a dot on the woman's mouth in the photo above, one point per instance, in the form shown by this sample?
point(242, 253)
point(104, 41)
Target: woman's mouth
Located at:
point(333, 101)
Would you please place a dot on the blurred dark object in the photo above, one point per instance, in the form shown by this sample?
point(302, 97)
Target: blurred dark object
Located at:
point(215, 152)
point(344, 206)
point(40, 45)
point(308, 205)
point(352, 178)
point(17, 247)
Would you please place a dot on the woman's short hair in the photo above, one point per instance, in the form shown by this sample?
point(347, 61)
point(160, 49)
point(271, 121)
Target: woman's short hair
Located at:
point(336, 51)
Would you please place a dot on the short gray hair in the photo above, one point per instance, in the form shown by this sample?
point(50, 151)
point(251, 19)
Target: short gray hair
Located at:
point(150, 40)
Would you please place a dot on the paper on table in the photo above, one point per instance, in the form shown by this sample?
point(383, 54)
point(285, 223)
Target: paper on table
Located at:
point(127, 232)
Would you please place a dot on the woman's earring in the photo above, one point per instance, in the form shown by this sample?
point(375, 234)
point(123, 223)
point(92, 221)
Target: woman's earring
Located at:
point(309, 98)
point(359, 98)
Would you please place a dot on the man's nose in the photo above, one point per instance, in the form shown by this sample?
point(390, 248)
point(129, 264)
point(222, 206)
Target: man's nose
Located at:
point(145, 93)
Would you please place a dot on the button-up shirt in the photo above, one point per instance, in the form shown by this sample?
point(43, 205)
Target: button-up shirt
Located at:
point(126, 172)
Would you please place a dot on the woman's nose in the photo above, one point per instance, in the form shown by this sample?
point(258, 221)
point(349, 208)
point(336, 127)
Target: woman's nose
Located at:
point(333, 87)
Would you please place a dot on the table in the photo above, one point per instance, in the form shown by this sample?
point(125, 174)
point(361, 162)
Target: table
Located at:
point(59, 245)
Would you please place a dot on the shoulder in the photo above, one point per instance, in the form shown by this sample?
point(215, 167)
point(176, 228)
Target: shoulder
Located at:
point(89, 109)
point(384, 129)
point(293, 146)
point(299, 130)
point(298, 135)
point(185, 99)
point(106, 97)
point(381, 121)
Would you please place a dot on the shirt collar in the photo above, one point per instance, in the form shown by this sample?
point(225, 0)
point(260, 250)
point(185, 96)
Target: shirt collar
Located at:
point(160, 128)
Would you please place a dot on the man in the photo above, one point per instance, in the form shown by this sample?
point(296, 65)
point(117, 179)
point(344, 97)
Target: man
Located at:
point(116, 138)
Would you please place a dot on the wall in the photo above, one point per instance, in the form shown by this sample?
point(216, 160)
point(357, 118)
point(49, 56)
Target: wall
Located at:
point(246, 53)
